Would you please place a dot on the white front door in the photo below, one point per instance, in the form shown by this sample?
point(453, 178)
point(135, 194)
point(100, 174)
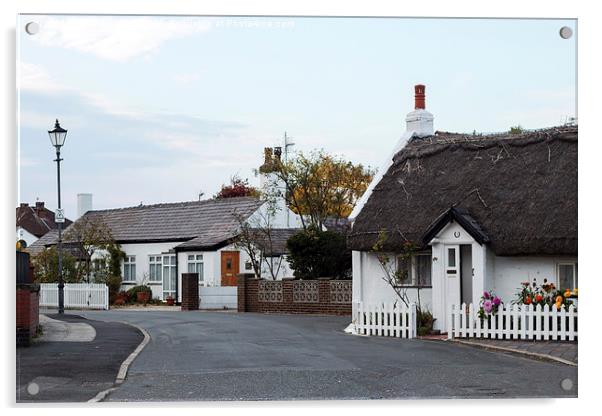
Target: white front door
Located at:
point(451, 276)
point(169, 276)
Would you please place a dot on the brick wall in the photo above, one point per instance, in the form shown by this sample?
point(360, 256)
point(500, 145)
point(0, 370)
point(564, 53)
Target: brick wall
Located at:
point(190, 291)
point(27, 312)
point(323, 296)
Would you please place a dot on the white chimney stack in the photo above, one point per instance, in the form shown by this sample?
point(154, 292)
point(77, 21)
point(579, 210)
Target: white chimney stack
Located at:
point(420, 121)
point(84, 204)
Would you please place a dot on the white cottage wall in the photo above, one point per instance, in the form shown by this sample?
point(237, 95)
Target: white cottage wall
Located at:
point(142, 252)
point(370, 287)
point(23, 234)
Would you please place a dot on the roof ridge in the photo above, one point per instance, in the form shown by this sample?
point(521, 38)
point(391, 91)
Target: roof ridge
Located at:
point(174, 204)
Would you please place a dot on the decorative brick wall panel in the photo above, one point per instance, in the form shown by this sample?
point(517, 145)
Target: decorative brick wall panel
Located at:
point(302, 297)
point(190, 291)
point(306, 291)
point(340, 291)
point(269, 291)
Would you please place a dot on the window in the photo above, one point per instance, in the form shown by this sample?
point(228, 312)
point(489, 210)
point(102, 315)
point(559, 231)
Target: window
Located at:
point(129, 269)
point(567, 276)
point(195, 265)
point(415, 271)
point(169, 276)
point(154, 269)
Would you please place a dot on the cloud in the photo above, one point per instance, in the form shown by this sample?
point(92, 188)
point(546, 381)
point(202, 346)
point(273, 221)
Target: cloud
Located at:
point(115, 38)
point(33, 77)
point(186, 79)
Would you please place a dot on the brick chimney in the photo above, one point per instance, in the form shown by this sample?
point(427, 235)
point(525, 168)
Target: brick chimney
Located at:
point(419, 97)
point(420, 121)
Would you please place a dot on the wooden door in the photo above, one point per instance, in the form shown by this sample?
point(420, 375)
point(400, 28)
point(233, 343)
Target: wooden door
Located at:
point(230, 267)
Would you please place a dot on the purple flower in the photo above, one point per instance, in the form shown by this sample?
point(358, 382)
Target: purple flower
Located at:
point(497, 301)
point(487, 306)
point(486, 295)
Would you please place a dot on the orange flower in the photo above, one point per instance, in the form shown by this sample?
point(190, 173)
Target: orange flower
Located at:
point(558, 305)
point(558, 299)
point(575, 291)
point(567, 293)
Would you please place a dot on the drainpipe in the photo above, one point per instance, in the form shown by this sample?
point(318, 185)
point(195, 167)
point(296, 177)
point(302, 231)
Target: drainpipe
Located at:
point(177, 277)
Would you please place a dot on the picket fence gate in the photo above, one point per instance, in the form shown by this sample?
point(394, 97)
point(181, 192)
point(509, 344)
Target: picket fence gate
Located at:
point(77, 295)
point(514, 322)
point(386, 320)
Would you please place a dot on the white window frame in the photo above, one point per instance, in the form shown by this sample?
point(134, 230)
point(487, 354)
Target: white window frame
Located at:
point(155, 261)
point(575, 277)
point(172, 266)
point(129, 262)
point(198, 266)
point(414, 282)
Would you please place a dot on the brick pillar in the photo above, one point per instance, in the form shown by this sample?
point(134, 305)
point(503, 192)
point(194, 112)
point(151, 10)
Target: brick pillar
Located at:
point(27, 312)
point(190, 291)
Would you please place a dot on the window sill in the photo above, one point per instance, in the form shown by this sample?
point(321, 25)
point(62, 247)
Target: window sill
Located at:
point(412, 287)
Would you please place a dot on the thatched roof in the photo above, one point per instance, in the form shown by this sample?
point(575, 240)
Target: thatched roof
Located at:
point(519, 190)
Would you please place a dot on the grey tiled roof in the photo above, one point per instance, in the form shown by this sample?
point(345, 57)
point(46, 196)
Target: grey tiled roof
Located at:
point(278, 238)
point(209, 222)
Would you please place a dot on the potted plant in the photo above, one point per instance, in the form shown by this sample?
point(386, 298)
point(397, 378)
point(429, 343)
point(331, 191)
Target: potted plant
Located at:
point(170, 300)
point(140, 293)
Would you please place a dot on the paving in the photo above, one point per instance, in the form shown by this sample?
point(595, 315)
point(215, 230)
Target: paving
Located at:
point(563, 351)
point(230, 356)
point(55, 330)
point(71, 367)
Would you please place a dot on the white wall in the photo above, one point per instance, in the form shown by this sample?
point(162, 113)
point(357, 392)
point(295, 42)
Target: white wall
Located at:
point(369, 286)
point(23, 234)
point(509, 272)
point(142, 252)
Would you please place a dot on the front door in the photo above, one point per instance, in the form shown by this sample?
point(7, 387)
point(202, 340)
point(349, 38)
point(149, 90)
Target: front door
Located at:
point(230, 267)
point(451, 272)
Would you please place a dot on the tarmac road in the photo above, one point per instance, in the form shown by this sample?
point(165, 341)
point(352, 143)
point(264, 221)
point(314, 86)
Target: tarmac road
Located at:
point(230, 356)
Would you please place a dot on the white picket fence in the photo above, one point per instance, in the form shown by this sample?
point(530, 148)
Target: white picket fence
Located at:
point(77, 295)
point(386, 320)
point(514, 322)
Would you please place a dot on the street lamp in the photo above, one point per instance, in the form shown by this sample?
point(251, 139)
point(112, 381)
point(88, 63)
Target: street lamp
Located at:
point(57, 138)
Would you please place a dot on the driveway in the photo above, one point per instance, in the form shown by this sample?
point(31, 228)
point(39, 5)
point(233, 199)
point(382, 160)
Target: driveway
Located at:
point(247, 356)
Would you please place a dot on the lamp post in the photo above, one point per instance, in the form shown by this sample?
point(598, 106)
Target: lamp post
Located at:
point(57, 138)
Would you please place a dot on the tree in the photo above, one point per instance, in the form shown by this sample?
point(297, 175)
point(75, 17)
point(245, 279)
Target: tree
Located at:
point(396, 271)
point(320, 186)
point(314, 253)
point(46, 267)
point(256, 235)
point(237, 187)
point(87, 236)
point(516, 129)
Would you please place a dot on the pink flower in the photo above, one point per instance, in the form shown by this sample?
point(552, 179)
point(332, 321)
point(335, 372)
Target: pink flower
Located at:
point(497, 301)
point(486, 295)
point(487, 306)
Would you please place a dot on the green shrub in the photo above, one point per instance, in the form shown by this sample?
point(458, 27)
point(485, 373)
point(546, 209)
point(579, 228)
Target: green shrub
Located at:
point(314, 253)
point(133, 292)
point(425, 321)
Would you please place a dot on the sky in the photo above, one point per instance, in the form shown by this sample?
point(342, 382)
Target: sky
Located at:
point(159, 109)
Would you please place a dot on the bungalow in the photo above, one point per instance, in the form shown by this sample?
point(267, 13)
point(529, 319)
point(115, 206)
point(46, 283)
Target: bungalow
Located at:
point(162, 241)
point(481, 212)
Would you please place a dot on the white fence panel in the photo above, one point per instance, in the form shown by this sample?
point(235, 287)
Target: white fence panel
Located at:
point(514, 322)
point(77, 295)
point(386, 320)
point(218, 297)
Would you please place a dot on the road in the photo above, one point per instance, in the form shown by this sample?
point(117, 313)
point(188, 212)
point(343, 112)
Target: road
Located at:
point(68, 371)
point(247, 356)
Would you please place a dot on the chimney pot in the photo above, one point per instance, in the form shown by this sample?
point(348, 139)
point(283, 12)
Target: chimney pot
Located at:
point(419, 97)
point(24, 204)
point(39, 204)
